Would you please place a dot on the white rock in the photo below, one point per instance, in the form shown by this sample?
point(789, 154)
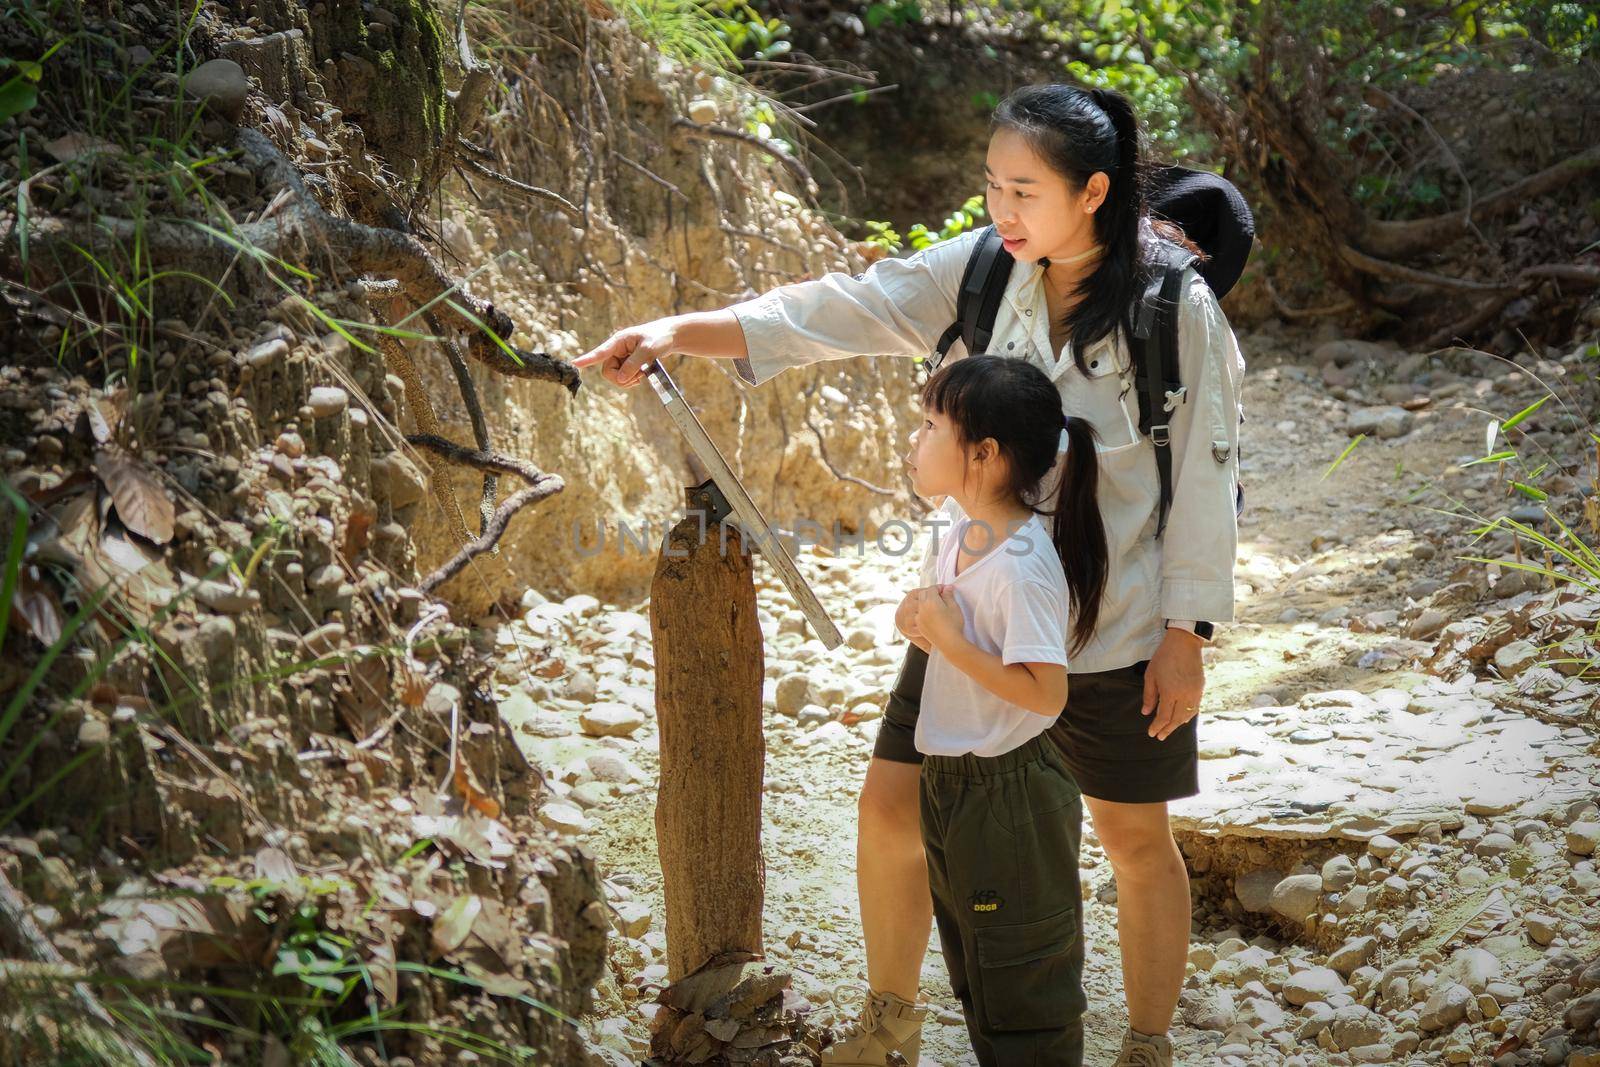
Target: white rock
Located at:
point(1295, 897)
point(793, 693)
point(1383, 846)
point(1541, 927)
point(1313, 983)
point(327, 400)
point(610, 719)
point(1352, 954)
point(615, 767)
point(1474, 968)
point(567, 818)
point(1386, 421)
point(1514, 658)
point(1338, 874)
point(1583, 838)
point(1354, 1025)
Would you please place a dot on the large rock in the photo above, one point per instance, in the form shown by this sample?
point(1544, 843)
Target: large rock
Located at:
point(222, 85)
point(1254, 888)
point(1386, 421)
point(1354, 1025)
point(1352, 954)
point(1445, 1006)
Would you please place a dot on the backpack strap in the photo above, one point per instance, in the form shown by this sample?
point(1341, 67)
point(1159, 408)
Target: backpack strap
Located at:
point(1154, 347)
point(983, 286)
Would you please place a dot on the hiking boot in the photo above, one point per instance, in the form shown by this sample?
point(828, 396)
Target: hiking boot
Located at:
point(1144, 1050)
point(887, 1025)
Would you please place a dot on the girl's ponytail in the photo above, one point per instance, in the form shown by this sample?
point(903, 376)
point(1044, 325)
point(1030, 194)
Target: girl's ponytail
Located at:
point(1079, 533)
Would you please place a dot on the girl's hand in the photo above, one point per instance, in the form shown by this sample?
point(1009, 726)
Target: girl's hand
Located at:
point(1173, 681)
point(905, 616)
point(939, 616)
point(624, 355)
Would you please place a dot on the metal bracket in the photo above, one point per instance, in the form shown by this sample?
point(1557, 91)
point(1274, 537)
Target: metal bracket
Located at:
point(707, 497)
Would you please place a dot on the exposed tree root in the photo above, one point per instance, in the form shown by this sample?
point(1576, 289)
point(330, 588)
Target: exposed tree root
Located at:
point(540, 485)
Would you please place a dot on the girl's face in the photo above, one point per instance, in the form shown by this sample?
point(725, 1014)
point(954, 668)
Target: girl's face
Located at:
point(1034, 208)
point(940, 466)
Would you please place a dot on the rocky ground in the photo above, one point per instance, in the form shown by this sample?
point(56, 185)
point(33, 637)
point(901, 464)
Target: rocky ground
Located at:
point(1393, 854)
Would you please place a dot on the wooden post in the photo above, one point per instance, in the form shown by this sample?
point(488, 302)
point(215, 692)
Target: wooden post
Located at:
point(708, 653)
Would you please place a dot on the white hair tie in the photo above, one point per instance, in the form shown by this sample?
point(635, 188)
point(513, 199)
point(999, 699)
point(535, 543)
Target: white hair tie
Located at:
point(1061, 445)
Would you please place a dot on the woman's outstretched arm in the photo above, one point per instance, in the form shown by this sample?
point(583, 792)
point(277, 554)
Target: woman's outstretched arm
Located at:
point(894, 307)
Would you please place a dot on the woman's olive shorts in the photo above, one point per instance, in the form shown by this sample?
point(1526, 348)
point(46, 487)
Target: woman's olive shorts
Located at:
point(1101, 734)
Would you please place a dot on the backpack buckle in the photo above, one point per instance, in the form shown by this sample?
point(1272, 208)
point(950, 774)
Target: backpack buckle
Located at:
point(1175, 397)
point(1161, 434)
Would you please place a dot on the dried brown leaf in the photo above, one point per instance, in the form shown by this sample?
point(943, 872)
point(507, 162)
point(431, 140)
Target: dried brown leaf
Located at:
point(274, 865)
point(474, 794)
point(141, 501)
point(385, 976)
point(452, 928)
point(35, 607)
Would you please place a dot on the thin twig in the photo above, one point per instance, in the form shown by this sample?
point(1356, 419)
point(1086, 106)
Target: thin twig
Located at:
point(795, 167)
point(522, 187)
point(853, 95)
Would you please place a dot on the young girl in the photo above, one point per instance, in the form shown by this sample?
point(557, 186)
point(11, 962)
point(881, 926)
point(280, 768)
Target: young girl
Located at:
point(1000, 810)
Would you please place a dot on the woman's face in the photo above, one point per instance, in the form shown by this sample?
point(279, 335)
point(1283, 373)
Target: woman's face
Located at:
point(1037, 210)
point(939, 465)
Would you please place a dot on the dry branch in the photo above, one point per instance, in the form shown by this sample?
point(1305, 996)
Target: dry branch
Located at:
point(1401, 238)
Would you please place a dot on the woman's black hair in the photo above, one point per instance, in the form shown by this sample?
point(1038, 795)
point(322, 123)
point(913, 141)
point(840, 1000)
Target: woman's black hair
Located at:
point(1017, 405)
point(1077, 132)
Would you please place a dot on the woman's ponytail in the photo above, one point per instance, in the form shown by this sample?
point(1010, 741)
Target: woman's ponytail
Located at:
point(1080, 534)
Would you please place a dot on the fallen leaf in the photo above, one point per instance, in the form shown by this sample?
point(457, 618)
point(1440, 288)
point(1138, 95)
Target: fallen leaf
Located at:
point(75, 145)
point(473, 793)
point(355, 533)
point(34, 606)
point(274, 865)
point(451, 929)
point(141, 502)
point(385, 980)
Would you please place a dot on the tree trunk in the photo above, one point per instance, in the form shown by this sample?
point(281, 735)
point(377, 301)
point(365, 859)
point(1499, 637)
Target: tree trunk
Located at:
point(708, 707)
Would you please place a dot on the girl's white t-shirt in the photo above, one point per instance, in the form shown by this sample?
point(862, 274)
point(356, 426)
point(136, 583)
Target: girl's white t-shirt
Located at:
point(1013, 603)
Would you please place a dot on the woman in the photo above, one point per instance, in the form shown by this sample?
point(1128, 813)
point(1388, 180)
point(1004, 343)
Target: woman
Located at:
point(1064, 172)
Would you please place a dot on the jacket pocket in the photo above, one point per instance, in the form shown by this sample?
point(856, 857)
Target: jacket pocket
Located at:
point(1030, 972)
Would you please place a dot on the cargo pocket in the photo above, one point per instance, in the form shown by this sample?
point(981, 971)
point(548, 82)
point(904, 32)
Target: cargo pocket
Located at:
point(1029, 972)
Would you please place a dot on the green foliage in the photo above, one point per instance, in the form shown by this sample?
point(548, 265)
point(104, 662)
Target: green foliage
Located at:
point(694, 32)
point(741, 26)
point(899, 13)
point(959, 221)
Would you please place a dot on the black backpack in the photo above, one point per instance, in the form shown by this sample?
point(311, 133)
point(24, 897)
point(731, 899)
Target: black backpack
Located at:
point(1213, 215)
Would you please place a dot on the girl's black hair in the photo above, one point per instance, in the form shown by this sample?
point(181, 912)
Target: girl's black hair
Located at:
point(1015, 403)
point(1077, 132)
